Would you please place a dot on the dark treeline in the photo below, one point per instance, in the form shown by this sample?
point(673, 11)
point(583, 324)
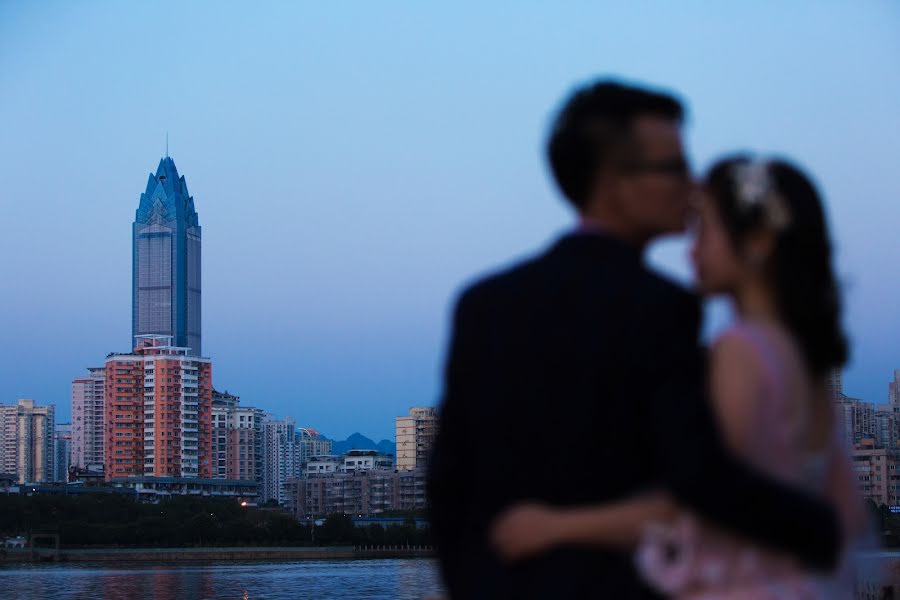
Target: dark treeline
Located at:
point(887, 522)
point(182, 521)
point(339, 529)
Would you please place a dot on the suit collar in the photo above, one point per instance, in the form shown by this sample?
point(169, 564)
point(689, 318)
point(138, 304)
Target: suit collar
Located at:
point(596, 242)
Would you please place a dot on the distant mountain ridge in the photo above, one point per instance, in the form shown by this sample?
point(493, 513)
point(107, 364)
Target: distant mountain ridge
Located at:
point(358, 441)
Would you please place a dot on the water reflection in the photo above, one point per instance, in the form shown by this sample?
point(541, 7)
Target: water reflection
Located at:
point(405, 579)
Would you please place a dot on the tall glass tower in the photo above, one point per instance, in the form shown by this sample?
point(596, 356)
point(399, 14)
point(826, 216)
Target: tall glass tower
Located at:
point(166, 261)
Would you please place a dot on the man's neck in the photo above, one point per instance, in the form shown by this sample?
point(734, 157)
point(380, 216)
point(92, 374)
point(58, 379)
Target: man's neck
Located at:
point(593, 224)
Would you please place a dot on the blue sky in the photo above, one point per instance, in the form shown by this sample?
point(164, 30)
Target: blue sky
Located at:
point(353, 164)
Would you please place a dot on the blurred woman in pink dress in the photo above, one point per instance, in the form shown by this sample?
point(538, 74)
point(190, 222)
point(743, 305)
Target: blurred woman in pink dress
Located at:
point(762, 242)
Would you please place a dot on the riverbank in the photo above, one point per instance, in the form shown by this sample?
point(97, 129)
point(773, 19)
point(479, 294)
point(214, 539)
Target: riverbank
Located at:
point(161, 555)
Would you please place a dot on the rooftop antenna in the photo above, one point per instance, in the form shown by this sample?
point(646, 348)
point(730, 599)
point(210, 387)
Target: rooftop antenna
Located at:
point(167, 144)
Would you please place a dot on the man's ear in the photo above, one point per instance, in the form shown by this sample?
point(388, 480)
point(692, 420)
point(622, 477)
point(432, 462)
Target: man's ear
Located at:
point(602, 194)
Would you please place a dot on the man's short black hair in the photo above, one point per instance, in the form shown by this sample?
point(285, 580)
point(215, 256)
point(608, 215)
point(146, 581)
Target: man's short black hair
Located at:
point(593, 125)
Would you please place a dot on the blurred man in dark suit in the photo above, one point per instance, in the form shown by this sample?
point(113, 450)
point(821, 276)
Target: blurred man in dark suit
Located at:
point(576, 377)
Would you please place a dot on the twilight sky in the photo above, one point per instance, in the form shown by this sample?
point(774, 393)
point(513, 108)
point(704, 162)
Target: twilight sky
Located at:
point(353, 164)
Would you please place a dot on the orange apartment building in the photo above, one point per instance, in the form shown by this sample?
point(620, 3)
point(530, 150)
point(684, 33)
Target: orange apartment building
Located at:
point(158, 412)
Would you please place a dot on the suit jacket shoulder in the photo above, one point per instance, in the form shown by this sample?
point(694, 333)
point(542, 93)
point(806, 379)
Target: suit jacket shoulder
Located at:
point(660, 291)
point(666, 306)
point(492, 289)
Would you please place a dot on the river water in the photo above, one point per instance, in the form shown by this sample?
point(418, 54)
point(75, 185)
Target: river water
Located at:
point(388, 579)
point(314, 579)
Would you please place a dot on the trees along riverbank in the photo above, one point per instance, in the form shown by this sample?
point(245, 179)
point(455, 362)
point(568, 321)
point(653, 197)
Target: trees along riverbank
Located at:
point(119, 521)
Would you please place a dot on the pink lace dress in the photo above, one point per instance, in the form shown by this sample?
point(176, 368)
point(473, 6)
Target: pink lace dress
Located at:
point(694, 560)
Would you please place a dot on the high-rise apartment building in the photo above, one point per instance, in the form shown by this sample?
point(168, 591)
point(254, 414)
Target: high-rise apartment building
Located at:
point(834, 385)
point(89, 418)
point(856, 420)
point(124, 415)
point(222, 404)
point(158, 411)
point(237, 439)
point(26, 441)
point(9, 427)
point(887, 427)
point(415, 437)
point(62, 452)
point(244, 456)
point(312, 444)
point(166, 261)
point(281, 457)
point(894, 391)
point(219, 454)
point(876, 472)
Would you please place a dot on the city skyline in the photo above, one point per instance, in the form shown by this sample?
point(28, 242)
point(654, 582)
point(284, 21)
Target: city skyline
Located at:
point(355, 168)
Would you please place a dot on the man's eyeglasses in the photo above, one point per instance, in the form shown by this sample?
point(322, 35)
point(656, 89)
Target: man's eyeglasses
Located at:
point(675, 167)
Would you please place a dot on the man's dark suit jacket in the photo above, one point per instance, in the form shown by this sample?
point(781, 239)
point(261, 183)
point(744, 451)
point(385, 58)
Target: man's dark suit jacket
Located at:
point(576, 377)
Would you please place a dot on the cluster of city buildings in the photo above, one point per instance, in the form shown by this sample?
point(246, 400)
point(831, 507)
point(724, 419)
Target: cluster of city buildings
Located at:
point(153, 413)
point(872, 433)
point(150, 420)
point(205, 443)
point(364, 482)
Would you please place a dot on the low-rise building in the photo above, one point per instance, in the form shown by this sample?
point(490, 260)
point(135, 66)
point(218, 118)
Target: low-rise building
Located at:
point(352, 461)
point(7, 482)
point(367, 460)
point(359, 493)
point(323, 465)
point(19, 541)
point(149, 488)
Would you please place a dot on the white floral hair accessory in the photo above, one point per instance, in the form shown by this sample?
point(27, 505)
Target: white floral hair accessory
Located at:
point(754, 187)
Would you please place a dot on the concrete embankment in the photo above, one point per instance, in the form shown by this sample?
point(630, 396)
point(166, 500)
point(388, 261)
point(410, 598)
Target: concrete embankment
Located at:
point(207, 554)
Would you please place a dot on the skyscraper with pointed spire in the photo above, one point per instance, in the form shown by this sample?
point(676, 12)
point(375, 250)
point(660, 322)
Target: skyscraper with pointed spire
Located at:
point(166, 261)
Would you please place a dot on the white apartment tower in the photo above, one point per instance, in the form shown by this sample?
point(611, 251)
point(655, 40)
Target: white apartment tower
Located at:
point(281, 457)
point(26, 441)
point(88, 418)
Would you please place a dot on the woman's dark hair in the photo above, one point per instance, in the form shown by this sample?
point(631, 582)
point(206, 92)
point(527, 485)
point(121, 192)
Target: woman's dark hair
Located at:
point(806, 292)
point(593, 125)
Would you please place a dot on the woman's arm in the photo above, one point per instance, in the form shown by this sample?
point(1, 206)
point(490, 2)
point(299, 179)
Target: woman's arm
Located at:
point(528, 529)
